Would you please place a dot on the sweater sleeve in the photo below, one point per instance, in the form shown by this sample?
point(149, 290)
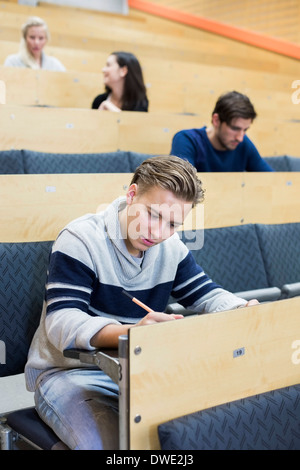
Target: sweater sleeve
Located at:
point(254, 161)
point(196, 291)
point(71, 278)
point(183, 147)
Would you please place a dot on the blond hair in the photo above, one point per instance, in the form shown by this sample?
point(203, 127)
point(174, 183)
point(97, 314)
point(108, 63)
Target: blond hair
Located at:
point(171, 173)
point(26, 57)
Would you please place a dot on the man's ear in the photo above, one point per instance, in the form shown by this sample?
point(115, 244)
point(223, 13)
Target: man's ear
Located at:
point(215, 120)
point(131, 193)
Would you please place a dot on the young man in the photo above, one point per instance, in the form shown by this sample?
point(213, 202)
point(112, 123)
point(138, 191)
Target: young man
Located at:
point(224, 145)
point(132, 245)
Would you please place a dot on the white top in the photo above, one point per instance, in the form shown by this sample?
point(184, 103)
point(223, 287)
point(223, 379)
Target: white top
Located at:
point(48, 62)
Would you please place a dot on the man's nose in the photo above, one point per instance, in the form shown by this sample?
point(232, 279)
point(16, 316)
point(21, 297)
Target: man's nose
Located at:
point(160, 231)
point(240, 135)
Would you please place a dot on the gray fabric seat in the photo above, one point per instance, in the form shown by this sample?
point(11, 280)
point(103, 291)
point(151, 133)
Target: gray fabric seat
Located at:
point(268, 421)
point(44, 163)
point(11, 162)
point(23, 268)
point(280, 249)
point(231, 256)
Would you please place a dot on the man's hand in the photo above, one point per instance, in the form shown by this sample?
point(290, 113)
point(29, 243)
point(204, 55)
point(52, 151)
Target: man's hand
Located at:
point(157, 317)
point(252, 302)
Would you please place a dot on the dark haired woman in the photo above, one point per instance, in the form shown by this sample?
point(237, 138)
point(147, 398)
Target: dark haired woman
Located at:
point(124, 85)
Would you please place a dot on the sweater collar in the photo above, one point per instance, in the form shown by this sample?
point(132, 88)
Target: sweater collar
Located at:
point(113, 230)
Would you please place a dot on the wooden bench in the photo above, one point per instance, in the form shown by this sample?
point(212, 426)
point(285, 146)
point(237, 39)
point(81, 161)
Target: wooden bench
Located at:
point(88, 131)
point(37, 207)
point(135, 32)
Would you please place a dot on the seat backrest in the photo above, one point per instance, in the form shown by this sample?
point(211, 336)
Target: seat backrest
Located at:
point(294, 163)
point(23, 269)
point(11, 162)
point(268, 421)
point(136, 158)
point(279, 163)
point(280, 248)
point(231, 257)
point(43, 163)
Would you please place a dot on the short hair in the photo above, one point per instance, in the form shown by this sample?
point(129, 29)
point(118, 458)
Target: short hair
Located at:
point(171, 173)
point(234, 105)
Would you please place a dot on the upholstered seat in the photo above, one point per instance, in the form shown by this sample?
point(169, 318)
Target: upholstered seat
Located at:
point(269, 421)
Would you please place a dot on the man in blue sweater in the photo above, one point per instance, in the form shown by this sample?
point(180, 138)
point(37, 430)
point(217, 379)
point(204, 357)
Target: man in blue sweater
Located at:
point(131, 246)
point(224, 145)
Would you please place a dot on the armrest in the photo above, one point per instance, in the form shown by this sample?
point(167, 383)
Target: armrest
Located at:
point(262, 295)
point(179, 309)
point(267, 294)
point(291, 290)
point(106, 359)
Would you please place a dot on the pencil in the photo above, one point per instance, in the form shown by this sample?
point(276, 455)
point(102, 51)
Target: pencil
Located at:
point(137, 301)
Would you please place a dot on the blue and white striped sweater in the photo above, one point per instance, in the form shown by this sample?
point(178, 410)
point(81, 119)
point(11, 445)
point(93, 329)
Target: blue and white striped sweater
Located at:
point(90, 266)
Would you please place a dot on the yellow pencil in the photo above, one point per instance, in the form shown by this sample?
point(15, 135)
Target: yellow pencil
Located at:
point(137, 301)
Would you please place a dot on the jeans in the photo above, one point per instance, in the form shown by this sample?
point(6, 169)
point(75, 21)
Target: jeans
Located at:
point(81, 406)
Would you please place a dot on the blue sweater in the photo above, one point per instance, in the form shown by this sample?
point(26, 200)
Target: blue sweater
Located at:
point(89, 267)
point(194, 146)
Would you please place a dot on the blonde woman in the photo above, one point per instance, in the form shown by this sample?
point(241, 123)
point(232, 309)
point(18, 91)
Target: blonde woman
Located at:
point(35, 35)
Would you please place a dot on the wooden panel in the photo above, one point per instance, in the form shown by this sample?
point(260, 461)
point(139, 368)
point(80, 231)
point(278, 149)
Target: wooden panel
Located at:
point(37, 207)
point(2, 92)
point(274, 17)
point(68, 130)
point(55, 89)
point(170, 41)
point(280, 198)
point(188, 365)
point(88, 131)
point(194, 92)
point(243, 198)
point(151, 132)
point(58, 130)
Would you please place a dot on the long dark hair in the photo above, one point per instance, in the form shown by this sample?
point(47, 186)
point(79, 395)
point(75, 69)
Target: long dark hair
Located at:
point(134, 94)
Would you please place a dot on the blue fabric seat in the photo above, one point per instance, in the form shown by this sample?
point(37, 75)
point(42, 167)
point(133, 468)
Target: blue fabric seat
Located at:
point(44, 163)
point(280, 249)
point(11, 162)
point(268, 421)
point(231, 256)
point(294, 163)
point(28, 424)
point(23, 268)
point(135, 159)
point(284, 163)
point(279, 163)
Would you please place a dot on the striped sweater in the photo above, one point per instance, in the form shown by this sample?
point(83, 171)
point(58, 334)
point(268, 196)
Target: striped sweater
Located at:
point(88, 269)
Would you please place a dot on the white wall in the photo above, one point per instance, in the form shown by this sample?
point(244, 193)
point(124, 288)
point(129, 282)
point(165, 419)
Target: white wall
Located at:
point(114, 6)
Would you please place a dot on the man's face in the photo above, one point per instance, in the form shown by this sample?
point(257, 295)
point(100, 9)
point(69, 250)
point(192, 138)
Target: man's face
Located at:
point(152, 217)
point(229, 136)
